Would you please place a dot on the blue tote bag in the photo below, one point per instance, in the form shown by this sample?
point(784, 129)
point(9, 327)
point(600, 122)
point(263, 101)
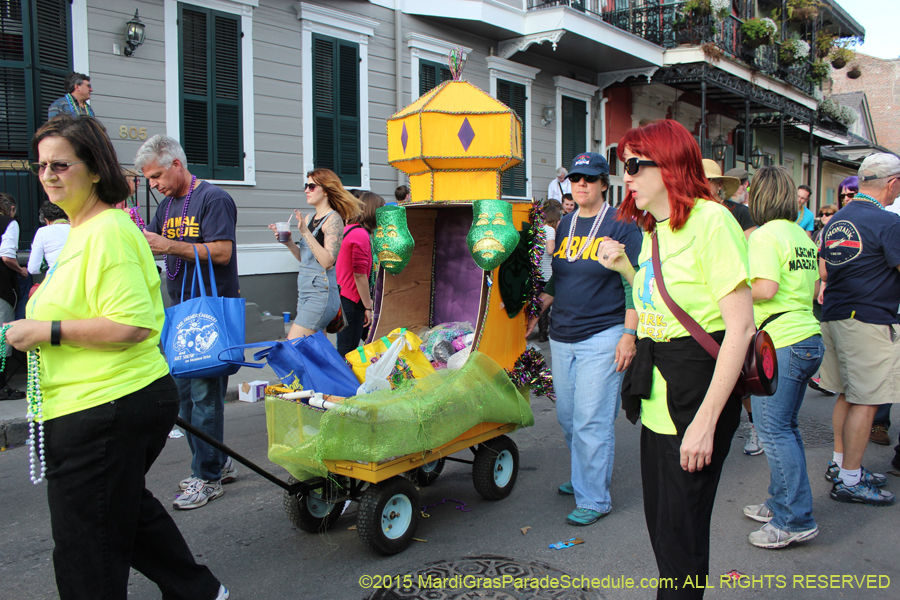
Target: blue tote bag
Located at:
point(309, 363)
point(200, 330)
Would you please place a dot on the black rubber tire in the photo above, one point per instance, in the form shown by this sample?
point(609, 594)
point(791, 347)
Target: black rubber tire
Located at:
point(300, 509)
point(427, 473)
point(490, 470)
point(375, 523)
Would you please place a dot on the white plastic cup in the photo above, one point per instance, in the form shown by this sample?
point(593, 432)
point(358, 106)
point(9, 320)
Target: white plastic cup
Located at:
point(283, 231)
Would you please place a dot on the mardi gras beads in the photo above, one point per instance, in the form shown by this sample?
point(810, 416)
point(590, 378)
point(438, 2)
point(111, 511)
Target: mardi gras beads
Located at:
point(35, 413)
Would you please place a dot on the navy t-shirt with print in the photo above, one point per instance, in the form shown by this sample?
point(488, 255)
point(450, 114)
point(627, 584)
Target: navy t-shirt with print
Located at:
point(861, 249)
point(589, 297)
point(211, 217)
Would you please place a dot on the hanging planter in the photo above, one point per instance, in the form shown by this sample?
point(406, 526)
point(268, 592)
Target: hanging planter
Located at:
point(802, 10)
point(854, 72)
point(758, 32)
point(792, 50)
point(840, 56)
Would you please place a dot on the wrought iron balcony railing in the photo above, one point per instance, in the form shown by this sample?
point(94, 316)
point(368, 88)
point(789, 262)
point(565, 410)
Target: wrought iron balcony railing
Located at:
point(668, 26)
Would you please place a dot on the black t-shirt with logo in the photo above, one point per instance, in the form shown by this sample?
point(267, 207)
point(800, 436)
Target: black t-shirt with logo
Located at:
point(861, 249)
point(211, 217)
point(589, 298)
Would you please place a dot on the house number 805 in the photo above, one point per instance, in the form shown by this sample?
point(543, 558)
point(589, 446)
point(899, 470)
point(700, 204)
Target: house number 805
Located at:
point(135, 133)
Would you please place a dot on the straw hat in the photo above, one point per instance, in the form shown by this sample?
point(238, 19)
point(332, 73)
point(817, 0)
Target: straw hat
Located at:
point(729, 184)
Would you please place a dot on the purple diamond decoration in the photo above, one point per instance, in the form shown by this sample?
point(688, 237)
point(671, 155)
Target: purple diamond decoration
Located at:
point(466, 134)
point(404, 137)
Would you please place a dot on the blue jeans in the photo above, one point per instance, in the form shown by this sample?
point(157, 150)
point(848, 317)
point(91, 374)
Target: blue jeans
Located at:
point(883, 416)
point(775, 418)
point(587, 402)
point(203, 406)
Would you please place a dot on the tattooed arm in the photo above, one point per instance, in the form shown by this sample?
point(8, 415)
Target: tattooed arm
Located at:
point(334, 235)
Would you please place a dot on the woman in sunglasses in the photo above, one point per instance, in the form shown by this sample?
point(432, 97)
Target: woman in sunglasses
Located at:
point(683, 396)
point(847, 190)
point(102, 387)
point(321, 233)
point(592, 335)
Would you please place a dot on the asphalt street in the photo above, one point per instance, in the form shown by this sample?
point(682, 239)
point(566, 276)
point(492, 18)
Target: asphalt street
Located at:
point(248, 541)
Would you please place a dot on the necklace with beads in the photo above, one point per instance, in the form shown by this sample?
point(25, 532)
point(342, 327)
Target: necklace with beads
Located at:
point(868, 198)
point(182, 228)
point(595, 227)
point(76, 110)
point(35, 413)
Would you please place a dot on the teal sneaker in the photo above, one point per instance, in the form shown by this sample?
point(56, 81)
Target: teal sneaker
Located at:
point(584, 516)
point(566, 489)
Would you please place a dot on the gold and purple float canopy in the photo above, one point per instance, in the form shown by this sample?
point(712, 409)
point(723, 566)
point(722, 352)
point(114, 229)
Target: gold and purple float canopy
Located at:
point(454, 142)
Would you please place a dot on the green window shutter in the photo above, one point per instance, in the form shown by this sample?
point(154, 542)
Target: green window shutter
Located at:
point(573, 129)
point(53, 50)
point(210, 57)
point(432, 74)
point(513, 95)
point(336, 118)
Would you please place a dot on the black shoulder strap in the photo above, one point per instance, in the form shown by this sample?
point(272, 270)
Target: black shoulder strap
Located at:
point(771, 318)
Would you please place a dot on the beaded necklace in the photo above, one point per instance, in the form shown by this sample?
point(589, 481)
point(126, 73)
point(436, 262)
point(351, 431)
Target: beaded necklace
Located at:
point(35, 408)
point(75, 109)
point(598, 220)
point(867, 198)
point(183, 228)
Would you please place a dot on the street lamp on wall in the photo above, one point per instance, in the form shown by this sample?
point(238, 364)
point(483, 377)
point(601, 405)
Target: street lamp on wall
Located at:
point(756, 157)
point(134, 34)
point(718, 149)
point(547, 115)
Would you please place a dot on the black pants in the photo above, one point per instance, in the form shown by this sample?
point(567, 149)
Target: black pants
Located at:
point(678, 506)
point(350, 336)
point(103, 518)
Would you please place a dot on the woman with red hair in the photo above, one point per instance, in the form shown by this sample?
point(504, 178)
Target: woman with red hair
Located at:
point(683, 395)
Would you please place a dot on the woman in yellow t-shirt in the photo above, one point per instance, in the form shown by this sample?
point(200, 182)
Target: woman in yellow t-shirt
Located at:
point(108, 399)
point(684, 397)
point(784, 269)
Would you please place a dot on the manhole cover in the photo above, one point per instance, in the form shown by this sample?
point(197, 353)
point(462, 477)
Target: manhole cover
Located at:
point(478, 577)
point(814, 433)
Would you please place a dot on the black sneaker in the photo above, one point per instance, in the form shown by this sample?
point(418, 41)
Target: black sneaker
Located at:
point(861, 493)
point(833, 472)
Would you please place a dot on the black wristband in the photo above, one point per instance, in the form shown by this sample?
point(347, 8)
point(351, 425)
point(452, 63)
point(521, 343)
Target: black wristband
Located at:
point(55, 333)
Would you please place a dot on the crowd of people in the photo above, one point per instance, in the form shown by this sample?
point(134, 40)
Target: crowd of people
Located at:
point(653, 268)
point(783, 263)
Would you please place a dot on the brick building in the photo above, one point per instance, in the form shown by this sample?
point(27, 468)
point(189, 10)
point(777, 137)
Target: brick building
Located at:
point(880, 80)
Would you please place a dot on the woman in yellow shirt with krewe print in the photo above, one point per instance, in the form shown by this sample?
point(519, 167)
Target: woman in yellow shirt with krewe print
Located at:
point(783, 273)
point(684, 397)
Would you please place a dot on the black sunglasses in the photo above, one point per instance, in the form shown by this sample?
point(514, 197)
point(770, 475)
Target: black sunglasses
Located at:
point(310, 186)
point(56, 167)
point(848, 195)
point(632, 165)
point(576, 177)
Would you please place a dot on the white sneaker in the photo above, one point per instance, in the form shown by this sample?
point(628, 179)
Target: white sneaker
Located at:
point(759, 512)
point(197, 494)
point(185, 483)
point(223, 593)
point(752, 446)
point(769, 536)
point(229, 471)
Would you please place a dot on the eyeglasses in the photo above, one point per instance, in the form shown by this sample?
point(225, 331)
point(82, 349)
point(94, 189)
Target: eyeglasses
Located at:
point(576, 177)
point(56, 167)
point(310, 187)
point(847, 195)
point(633, 165)
point(826, 214)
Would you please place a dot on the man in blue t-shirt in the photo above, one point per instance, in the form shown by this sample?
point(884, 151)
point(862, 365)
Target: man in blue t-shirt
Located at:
point(805, 219)
point(859, 260)
point(195, 215)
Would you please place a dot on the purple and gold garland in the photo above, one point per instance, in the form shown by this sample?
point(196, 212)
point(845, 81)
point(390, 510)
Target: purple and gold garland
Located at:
point(537, 241)
point(531, 370)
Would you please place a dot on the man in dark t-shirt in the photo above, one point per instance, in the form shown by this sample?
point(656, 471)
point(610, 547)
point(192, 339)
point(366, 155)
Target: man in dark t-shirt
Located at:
point(195, 215)
point(725, 186)
point(859, 261)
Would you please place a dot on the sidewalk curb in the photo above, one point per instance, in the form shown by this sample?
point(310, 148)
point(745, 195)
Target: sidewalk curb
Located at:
point(13, 433)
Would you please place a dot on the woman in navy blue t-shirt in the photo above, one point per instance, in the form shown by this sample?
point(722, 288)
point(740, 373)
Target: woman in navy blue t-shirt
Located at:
point(592, 335)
